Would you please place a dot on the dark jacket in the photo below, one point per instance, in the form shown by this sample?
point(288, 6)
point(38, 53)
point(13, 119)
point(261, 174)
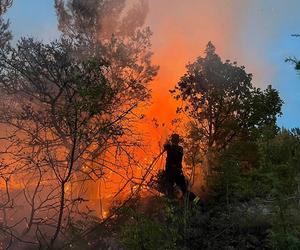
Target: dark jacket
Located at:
point(174, 158)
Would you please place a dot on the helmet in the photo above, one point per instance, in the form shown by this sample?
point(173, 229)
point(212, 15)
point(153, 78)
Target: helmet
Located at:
point(175, 138)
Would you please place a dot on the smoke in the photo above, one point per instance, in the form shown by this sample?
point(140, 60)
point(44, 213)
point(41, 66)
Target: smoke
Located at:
point(102, 18)
point(242, 31)
point(181, 30)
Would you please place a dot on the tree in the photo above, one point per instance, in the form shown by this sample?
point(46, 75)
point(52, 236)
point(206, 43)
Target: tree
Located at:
point(62, 114)
point(5, 35)
point(98, 20)
point(279, 163)
point(6, 201)
point(102, 27)
point(223, 104)
point(68, 108)
point(294, 60)
point(271, 183)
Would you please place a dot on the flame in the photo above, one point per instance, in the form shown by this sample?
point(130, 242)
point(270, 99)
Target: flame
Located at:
point(180, 35)
point(181, 30)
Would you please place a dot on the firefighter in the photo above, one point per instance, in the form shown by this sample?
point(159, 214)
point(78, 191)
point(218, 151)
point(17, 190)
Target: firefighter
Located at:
point(173, 171)
point(174, 174)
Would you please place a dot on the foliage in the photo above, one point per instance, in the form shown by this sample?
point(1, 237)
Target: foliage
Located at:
point(5, 35)
point(266, 172)
point(99, 19)
point(158, 229)
point(216, 228)
point(282, 241)
point(294, 61)
point(64, 105)
point(254, 178)
point(144, 233)
point(223, 104)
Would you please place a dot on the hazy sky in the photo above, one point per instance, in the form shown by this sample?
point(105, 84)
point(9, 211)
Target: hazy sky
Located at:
point(255, 33)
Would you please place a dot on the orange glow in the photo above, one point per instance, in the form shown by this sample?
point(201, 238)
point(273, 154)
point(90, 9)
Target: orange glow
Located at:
point(181, 29)
point(180, 32)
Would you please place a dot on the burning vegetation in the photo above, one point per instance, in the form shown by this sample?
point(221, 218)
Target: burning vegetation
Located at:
point(78, 165)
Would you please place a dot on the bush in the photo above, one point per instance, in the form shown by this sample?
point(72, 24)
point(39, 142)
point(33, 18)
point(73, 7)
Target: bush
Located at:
point(144, 233)
point(218, 229)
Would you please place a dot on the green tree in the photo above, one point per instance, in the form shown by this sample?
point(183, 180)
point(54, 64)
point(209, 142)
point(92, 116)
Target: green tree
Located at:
point(223, 104)
point(263, 175)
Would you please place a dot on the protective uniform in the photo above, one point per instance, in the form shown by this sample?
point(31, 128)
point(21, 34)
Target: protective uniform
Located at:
point(174, 172)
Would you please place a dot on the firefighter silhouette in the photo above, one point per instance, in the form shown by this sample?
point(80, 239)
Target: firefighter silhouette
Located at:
point(173, 171)
point(174, 174)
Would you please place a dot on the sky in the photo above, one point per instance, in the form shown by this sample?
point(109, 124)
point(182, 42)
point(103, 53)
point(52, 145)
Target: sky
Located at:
point(255, 33)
